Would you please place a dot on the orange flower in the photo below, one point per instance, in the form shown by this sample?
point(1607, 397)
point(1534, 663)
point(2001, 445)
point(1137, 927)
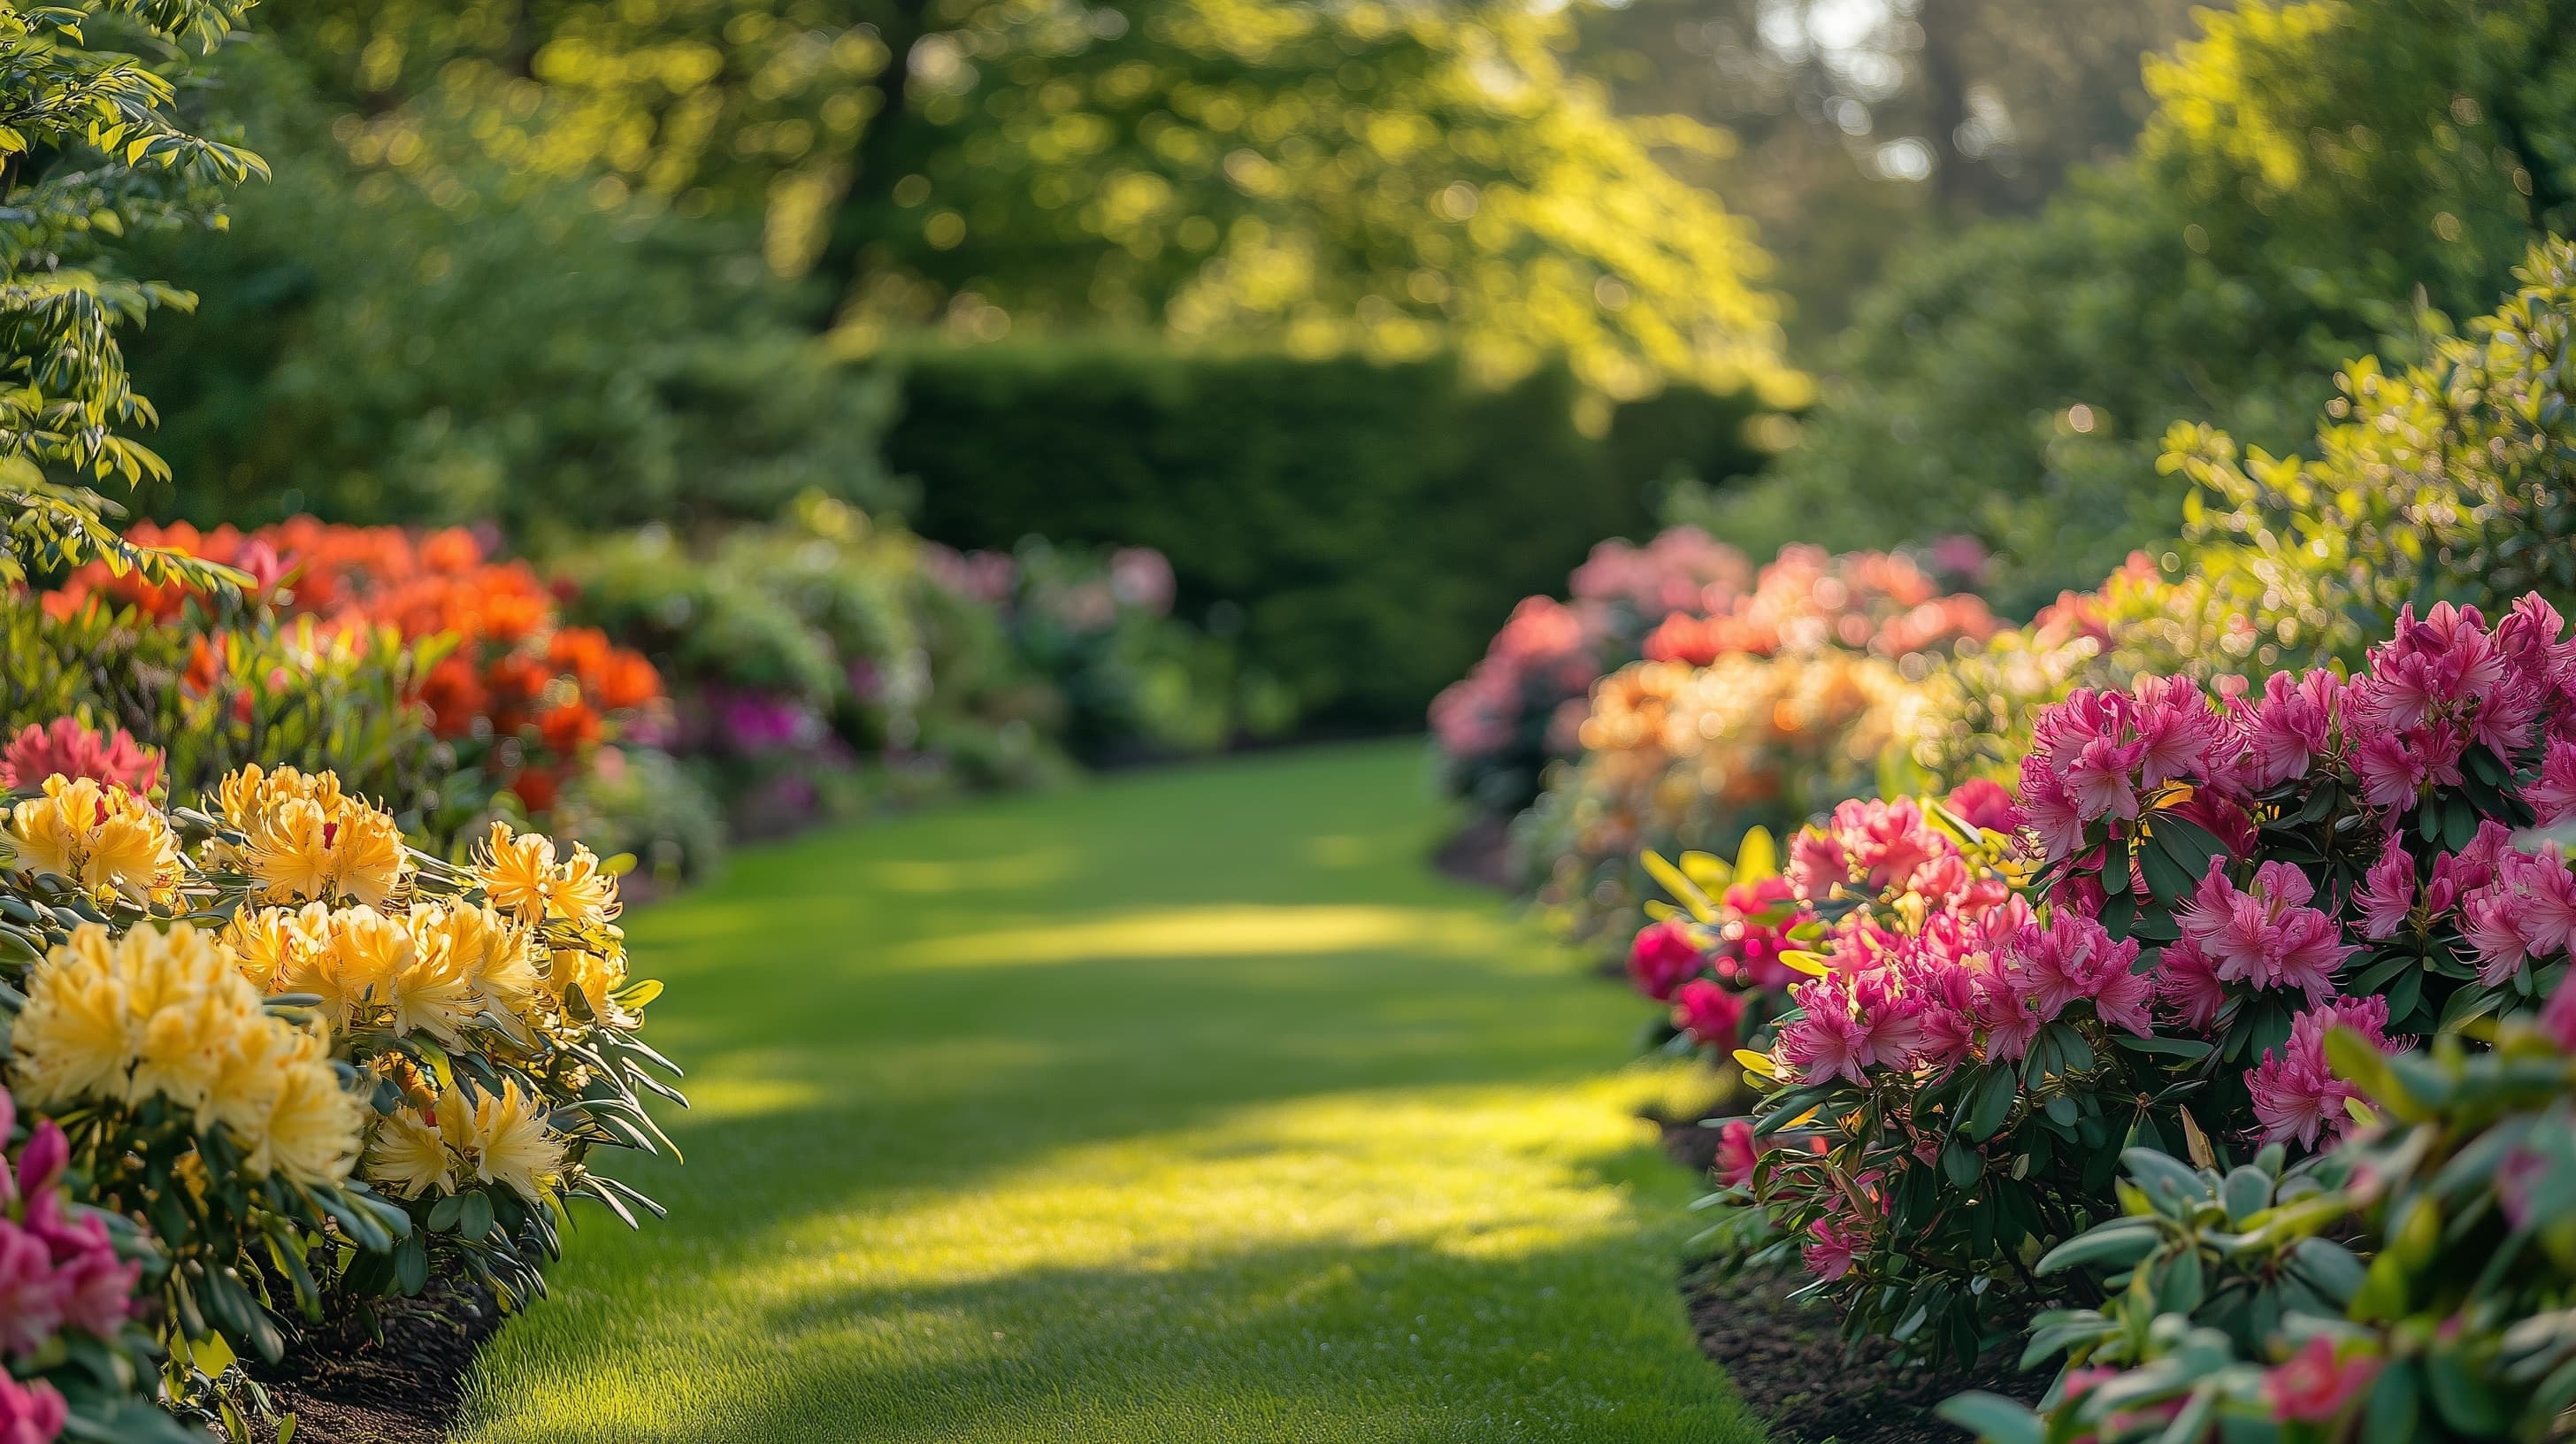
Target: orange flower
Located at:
point(570, 728)
point(455, 696)
point(453, 551)
point(205, 666)
point(628, 681)
point(582, 651)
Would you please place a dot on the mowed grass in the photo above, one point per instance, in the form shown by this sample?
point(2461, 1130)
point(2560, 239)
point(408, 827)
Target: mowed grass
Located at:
point(1183, 1106)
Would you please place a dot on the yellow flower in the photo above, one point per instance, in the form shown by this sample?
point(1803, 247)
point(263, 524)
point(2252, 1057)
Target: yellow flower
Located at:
point(75, 1038)
point(171, 1015)
point(493, 950)
point(520, 874)
point(102, 838)
point(305, 840)
point(409, 1157)
point(593, 975)
point(433, 991)
point(502, 1138)
point(361, 949)
point(495, 1138)
point(273, 944)
point(296, 1117)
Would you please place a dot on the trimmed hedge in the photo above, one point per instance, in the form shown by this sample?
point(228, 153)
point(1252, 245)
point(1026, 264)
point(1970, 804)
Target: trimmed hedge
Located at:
point(1351, 508)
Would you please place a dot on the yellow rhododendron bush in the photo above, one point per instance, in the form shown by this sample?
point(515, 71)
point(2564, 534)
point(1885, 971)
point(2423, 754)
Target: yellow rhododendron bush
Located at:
point(308, 1059)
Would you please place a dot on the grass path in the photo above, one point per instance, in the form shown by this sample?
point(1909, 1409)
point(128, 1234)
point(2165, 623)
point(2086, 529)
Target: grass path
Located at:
point(1185, 1106)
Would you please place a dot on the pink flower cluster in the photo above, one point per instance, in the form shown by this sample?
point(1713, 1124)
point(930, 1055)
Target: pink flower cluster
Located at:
point(68, 746)
point(1871, 847)
point(1809, 600)
point(1543, 661)
point(1681, 570)
point(2443, 684)
point(57, 1272)
point(1970, 987)
point(2264, 935)
point(1706, 970)
point(2296, 1093)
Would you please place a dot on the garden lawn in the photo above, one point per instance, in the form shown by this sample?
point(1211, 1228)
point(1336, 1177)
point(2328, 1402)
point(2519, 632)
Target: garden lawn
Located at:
point(1183, 1106)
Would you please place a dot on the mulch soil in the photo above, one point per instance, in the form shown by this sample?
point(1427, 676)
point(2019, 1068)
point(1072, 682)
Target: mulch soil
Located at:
point(346, 1386)
point(1794, 1367)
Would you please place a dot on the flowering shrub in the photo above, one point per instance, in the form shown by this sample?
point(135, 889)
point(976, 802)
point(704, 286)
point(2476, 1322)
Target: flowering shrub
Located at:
point(79, 1361)
point(224, 686)
point(270, 1027)
point(523, 699)
point(1681, 758)
point(2412, 1283)
point(2224, 888)
point(815, 662)
point(1975, 709)
point(1682, 598)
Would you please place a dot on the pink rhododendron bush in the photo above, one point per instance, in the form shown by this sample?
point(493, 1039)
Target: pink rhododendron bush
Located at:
point(2222, 925)
point(1684, 601)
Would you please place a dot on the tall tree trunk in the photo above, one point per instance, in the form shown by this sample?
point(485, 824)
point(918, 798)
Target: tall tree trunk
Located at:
point(878, 162)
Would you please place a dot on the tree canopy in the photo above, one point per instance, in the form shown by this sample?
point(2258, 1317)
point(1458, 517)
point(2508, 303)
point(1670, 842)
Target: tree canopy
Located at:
point(1387, 179)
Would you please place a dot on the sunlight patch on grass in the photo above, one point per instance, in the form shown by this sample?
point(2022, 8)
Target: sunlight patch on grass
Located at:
point(1228, 931)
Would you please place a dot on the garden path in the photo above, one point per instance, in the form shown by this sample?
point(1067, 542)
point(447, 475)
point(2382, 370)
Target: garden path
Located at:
point(1181, 1106)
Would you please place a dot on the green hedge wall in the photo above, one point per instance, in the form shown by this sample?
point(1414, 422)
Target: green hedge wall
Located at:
point(1373, 521)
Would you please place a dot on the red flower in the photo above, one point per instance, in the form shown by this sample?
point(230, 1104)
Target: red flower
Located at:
point(455, 696)
point(1663, 955)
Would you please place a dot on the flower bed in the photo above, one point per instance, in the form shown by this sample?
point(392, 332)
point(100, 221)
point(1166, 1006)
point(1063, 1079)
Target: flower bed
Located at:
point(2221, 916)
point(284, 1057)
point(1681, 599)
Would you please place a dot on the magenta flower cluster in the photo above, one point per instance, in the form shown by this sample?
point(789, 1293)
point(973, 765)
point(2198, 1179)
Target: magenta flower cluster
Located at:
point(58, 1272)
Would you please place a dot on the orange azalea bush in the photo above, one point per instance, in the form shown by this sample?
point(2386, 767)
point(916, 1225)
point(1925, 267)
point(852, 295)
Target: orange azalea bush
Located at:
point(523, 697)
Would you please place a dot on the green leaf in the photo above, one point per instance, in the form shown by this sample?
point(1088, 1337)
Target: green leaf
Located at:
point(1993, 1104)
point(2395, 1402)
point(2171, 1047)
point(1993, 1418)
point(2117, 1244)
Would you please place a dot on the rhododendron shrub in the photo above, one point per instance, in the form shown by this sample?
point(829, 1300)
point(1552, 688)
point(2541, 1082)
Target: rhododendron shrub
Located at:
point(1680, 599)
point(2412, 1283)
point(2324, 838)
point(1955, 1081)
point(2237, 898)
point(213, 690)
point(521, 697)
point(1689, 759)
point(295, 1050)
point(79, 1360)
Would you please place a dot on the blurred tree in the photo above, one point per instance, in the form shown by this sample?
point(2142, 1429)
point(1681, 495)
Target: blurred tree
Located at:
point(1350, 176)
point(2318, 181)
point(1869, 126)
point(400, 328)
point(90, 151)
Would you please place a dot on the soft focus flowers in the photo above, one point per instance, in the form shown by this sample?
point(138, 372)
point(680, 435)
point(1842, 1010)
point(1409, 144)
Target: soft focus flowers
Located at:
point(2314, 1385)
point(1663, 954)
point(68, 748)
